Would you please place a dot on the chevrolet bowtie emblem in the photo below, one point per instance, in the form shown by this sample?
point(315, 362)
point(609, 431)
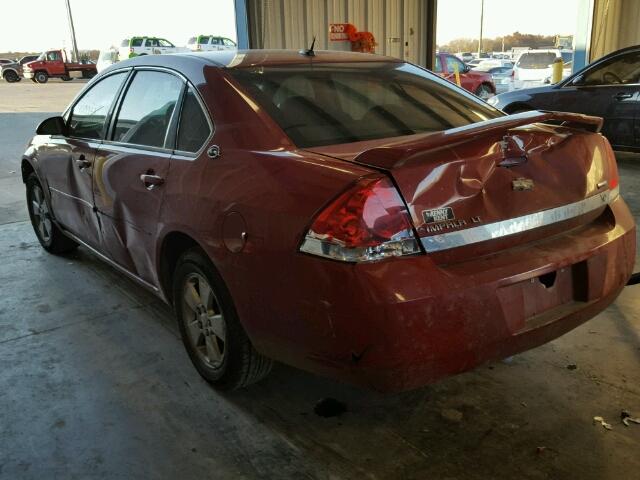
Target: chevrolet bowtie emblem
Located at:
point(520, 184)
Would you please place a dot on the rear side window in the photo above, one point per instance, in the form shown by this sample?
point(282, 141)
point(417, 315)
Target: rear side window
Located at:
point(147, 108)
point(536, 60)
point(203, 40)
point(340, 103)
point(89, 114)
point(194, 128)
point(136, 42)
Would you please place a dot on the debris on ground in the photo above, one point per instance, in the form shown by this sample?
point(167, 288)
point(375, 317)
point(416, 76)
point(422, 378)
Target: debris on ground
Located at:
point(572, 366)
point(330, 407)
point(601, 421)
point(452, 415)
point(627, 418)
point(540, 450)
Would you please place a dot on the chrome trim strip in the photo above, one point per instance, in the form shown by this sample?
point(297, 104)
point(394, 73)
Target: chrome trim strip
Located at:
point(77, 199)
point(110, 262)
point(469, 236)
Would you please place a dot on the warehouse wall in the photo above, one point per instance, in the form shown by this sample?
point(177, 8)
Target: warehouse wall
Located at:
point(402, 28)
point(616, 24)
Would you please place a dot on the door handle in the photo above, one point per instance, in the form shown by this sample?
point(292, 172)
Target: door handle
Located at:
point(151, 181)
point(622, 95)
point(82, 162)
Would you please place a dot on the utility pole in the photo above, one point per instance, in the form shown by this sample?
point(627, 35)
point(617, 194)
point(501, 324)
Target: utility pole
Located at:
point(481, 24)
point(73, 32)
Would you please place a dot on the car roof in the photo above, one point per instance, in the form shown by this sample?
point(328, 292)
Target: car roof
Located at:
point(251, 58)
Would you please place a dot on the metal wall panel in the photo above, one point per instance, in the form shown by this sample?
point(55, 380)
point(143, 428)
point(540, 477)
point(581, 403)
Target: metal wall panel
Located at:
point(399, 26)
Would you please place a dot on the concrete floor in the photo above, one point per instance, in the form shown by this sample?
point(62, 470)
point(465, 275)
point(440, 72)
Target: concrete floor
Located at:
point(94, 383)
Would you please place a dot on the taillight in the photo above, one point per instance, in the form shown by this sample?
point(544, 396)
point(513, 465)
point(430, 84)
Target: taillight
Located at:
point(367, 222)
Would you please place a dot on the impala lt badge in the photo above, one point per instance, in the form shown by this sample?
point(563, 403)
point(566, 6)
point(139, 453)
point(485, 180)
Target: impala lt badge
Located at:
point(521, 184)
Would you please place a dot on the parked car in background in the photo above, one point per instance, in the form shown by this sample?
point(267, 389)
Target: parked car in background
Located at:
point(57, 64)
point(483, 64)
point(210, 42)
point(534, 66)
point(12, 72)
point(134, 46)
point(6, 61)
point(466, 57)
point(423, 231)
point(501, 76)
point(479, 83)
point(106, 58)
point(607, 88)
point(475, 62)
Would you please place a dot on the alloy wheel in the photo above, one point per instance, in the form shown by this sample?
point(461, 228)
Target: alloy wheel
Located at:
point(204, 320)
point(41, 214)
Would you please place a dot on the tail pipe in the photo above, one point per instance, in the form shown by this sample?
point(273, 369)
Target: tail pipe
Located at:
point(634, 280)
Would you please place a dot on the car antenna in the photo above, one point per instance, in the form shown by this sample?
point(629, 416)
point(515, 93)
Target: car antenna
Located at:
point(309, 51)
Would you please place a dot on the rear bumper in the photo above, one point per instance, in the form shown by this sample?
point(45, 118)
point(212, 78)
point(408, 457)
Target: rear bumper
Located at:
point(400, 324)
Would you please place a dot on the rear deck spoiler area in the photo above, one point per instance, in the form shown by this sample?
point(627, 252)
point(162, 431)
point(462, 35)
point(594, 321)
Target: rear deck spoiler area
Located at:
point(389, 157)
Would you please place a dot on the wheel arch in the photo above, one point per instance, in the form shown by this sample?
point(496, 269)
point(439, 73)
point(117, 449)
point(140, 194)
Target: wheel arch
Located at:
point(517, 107)
point(172, 246)
point(26, 169)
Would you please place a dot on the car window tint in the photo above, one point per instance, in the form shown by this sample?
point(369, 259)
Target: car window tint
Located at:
point(136, 42)
point(146, 110)
point(340, 103)
point(536, 60)
point(89, 114)
point(618, 70)
point(216, 41)
point(204, 40)
point(194, 128)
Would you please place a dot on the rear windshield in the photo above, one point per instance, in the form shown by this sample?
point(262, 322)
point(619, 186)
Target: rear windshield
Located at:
point(340, 103)
point(536, 60)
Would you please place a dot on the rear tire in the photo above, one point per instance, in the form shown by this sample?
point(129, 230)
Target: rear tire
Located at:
point(41, 77)
point(49, 235)
point(11, 77)
point(211, 331)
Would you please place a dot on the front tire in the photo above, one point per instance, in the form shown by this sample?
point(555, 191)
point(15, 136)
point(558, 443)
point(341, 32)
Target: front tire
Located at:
point(11, 76)
point(484, 92)
point(49, 235)
point(209, 325)
point(41, 77)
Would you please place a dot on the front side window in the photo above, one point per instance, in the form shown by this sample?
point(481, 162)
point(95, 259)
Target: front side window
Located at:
point(165, 43)
point(624, 69)
point(145, 113)
point(89, 114)
point(229, 43)
point(349, 102)
point(53, 56)
point(194, 128)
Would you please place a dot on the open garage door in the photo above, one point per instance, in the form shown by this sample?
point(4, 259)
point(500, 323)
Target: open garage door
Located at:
point(400, 28)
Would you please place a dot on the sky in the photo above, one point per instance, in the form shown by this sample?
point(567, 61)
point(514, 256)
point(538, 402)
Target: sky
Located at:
point(36, 25)
point(461, 18)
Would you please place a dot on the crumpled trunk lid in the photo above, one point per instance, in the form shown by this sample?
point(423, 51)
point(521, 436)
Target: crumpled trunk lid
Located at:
point(506, 178)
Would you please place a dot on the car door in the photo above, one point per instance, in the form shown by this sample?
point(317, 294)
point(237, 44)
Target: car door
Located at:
point(55, 64)
point(132, 165)
point(609, 89)
point(66, 162)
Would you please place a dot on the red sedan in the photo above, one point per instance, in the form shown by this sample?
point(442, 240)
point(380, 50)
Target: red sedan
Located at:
point(349, 214)
point(480, 83)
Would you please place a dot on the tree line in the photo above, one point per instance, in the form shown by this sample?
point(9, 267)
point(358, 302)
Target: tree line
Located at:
point(516, 39)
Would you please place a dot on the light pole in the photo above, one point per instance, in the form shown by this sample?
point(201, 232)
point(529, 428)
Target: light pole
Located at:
point(481, 22)
point(73, 32)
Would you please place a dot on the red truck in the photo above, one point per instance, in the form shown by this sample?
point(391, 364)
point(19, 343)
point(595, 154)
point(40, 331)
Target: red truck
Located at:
point(56, 64)
point(480, 83)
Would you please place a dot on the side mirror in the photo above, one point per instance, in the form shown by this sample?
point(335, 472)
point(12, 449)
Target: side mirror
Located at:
point(52, 126)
